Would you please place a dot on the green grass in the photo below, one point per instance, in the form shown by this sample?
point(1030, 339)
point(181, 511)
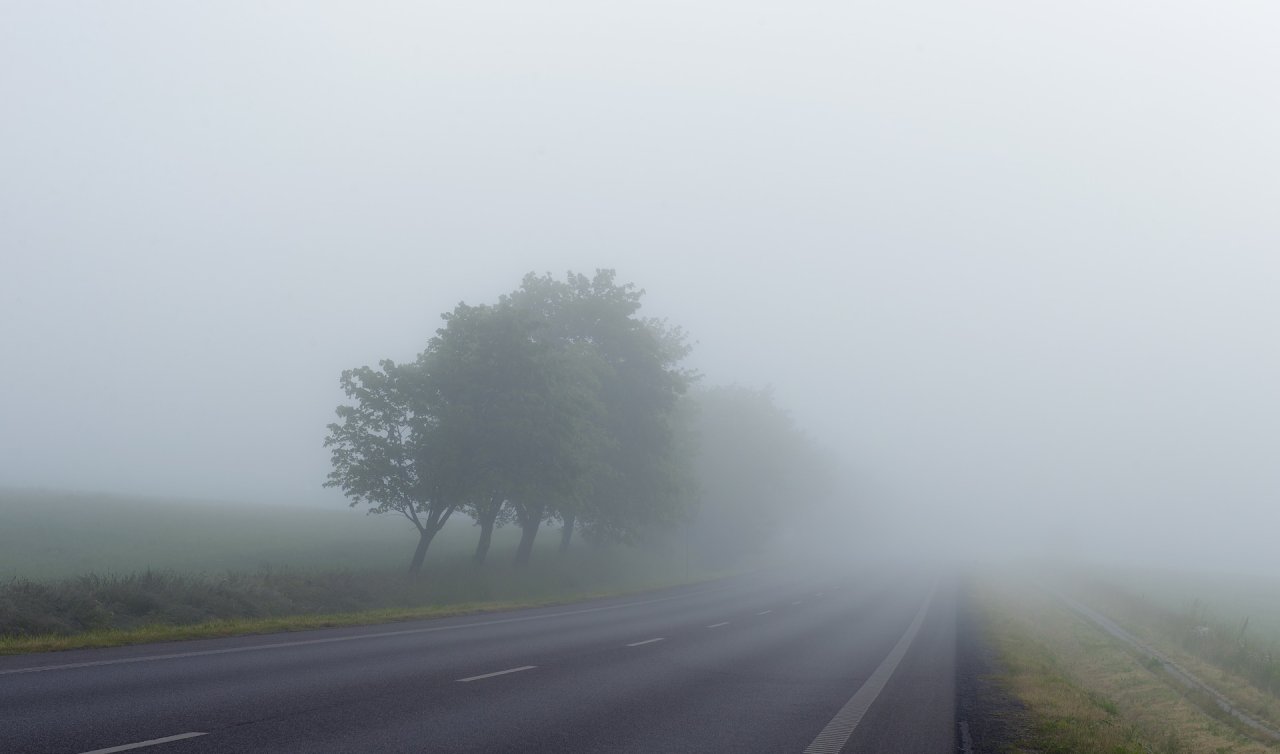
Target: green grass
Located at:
point(126, 601)
point(50, 535)
point(154, 632)
point(92, 570)
point(1086, 692)
point(58, 535)
point(1230, 652)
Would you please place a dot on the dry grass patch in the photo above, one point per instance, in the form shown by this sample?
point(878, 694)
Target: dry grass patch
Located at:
point(1085, 691)
point(1171, 634)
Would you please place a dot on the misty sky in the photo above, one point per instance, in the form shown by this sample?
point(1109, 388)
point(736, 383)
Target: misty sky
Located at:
point(1017, 263)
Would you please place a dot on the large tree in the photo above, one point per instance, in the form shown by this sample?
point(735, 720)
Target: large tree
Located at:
point(519, 407)
point(636, 479)
point(386, 453)
point(556, 402)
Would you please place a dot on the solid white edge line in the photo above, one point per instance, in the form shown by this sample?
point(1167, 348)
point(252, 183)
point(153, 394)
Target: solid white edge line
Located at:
point(718, 625)
point(140, 744)
point(646, 641)
point(500, 672)
point(336, 639)
point(838, 732)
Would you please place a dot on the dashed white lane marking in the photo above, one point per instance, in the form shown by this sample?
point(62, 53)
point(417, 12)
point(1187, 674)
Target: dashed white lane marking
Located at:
point(336, 639)
point(797, 602)
point(718, 625)
point(838, 732)
point(646, 641)
point(500, 672)
point(764, 612)
point(140, 744)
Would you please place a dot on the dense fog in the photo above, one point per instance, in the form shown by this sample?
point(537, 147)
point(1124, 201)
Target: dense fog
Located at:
point(1014, 265)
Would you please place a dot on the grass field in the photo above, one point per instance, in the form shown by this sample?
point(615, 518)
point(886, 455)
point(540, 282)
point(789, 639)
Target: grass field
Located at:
point(115, 570)
point(53, 535)
point(49, 535)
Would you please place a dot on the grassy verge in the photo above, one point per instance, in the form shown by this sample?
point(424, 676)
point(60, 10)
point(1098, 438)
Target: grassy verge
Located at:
point(1084, 691)
point(1243, 667)
point(80, 570)
point(242, 626)
point(107, 610)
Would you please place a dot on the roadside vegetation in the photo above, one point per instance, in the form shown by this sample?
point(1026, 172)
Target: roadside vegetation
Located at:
point(141, 587)
point(106, 610)
point(1084, 691)
point(559, 404)
point(556, 406)
point(1236, 660)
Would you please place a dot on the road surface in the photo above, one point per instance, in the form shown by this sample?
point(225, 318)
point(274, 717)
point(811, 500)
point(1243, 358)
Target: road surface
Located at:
point(783, 663)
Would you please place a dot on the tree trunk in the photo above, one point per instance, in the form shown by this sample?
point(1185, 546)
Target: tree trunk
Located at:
point(566, 533)
point(424, 541)
point(486, 536)
point(528, 530)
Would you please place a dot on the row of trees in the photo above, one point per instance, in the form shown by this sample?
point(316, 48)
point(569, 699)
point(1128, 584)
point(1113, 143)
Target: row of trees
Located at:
point(757, 473)
point(557, 402)
point(561, 403)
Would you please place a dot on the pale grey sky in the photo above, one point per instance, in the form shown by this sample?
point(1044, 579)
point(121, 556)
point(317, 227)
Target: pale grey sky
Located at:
point(1017, 262)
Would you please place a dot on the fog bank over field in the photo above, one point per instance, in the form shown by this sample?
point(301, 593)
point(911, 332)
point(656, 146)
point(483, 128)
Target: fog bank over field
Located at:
point(1014, 266)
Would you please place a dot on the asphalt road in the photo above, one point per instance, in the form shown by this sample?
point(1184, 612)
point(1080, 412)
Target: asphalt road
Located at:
point(784, 663)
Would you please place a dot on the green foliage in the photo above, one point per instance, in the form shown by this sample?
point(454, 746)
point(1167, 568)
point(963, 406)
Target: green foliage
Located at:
point(558, 401)
point(636, 476)
point(509, 405)
point(372, 444)
point(383, 451)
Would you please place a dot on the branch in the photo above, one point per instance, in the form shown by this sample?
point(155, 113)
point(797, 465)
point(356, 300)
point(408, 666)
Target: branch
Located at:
point(409, 513)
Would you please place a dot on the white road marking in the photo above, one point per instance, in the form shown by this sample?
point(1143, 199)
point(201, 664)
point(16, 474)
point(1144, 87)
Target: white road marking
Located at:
point(718, 625)
point(646, 641)
point(838, 732)
point(335, 639)
point(500, 672)
point(797, 602)
point(140, 744)
point(819, 594)
point(966, 741)
point(764, 612)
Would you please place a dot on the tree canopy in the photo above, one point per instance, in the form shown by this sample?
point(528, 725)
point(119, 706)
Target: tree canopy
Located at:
point(559, 402)
point(385, 451)
point(556, 402)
